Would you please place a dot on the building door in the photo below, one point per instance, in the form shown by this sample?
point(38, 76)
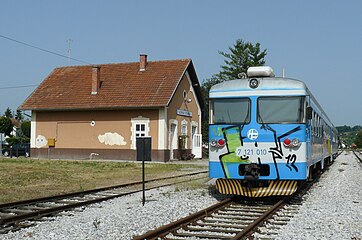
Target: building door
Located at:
point(173, 139)
point(197, 145)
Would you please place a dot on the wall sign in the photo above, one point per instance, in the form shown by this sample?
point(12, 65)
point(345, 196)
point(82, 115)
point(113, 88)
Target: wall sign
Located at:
point(183, 113)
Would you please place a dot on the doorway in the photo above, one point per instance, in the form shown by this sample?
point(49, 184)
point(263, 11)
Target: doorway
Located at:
point(173, 139)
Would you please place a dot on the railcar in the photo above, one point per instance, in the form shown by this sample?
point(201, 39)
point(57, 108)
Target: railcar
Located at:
point(267, 135)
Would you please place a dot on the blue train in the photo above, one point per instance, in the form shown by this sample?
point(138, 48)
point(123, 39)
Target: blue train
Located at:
point(266, 135)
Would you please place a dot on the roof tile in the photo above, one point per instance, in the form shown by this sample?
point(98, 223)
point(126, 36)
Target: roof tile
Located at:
point(122, 86)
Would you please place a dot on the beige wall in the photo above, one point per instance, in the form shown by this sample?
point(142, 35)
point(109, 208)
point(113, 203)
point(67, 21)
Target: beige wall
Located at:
point(79, 134)
point(73, 129)
point(178, 102)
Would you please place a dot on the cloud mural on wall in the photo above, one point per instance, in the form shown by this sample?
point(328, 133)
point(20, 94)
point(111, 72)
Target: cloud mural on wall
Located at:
point(41, 141)
point(111, 139)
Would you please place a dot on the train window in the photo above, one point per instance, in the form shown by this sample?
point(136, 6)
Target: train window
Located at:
point(235, 110)
point(281, 110)
point(317, 126)
point(314, 123)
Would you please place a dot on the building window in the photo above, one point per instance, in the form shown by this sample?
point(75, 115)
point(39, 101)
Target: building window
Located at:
point(184, 127)
point(140, 128)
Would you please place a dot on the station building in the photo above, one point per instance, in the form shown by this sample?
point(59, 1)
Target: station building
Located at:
point(98, 111)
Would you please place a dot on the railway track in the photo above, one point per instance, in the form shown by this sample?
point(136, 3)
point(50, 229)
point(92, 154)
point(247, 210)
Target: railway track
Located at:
point(16, 215)
point(230, 219)
point(227, 219)
point(357, 156)
point(269, 229)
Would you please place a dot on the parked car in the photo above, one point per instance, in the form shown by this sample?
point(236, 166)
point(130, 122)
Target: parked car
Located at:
point(18, 149)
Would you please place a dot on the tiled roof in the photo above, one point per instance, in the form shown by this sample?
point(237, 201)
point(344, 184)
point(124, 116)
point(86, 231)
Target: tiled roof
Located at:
point(122, 86)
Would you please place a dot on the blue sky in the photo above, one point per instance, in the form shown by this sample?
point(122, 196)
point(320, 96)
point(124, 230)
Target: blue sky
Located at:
point(318, 42)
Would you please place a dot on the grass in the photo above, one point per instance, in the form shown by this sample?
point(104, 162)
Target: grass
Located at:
point(22, 179)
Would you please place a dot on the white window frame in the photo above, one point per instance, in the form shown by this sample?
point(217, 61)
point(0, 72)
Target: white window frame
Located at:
point(139, 121)
point(183, 130)
point(172, 142)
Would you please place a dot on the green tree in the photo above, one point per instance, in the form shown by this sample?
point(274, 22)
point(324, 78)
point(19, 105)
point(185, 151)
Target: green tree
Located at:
point(19, 115)
point(358, 139)
point(205, 88)
point(241, 56)
point(356, 128)
point(344, 128)
point(8, 113)
point(348, 134)
point(25, 128)
point(6, 126)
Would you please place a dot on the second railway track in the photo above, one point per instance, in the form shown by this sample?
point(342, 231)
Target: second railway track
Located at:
point(21, 214)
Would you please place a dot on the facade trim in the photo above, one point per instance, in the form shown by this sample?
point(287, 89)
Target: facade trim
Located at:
point(162, 129)
point(139, 120)
point(33, 130)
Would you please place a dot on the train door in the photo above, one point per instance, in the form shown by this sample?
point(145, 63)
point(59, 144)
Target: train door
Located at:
point(309, 123)
point(324, 146)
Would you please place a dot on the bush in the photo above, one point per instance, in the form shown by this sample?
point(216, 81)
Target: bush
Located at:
point(358, 139)
point(187, 156)
point(14, 140)
point(25, 128)
point(6, 126)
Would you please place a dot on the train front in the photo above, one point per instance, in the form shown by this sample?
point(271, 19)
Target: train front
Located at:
point(258, 135)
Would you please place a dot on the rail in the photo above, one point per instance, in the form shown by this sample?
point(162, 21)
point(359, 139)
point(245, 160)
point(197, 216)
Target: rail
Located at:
point(227, 219)
point(16, 212)
point(358, 157)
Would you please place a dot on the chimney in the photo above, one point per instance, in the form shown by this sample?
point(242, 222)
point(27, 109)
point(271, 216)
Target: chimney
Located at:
point(143, 62)
point(95, 79)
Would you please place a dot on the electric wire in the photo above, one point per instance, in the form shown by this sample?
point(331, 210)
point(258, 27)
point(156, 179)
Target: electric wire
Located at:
point(23, 86)
point(42, 49)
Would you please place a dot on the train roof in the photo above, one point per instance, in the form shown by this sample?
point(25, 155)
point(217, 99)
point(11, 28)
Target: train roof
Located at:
point(266, 86)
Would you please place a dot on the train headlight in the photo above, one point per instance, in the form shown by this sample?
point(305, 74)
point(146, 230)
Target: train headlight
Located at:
point(291, 143)
point(296, 142)
point(213, 143)
point(217, 143)
point(253, 83)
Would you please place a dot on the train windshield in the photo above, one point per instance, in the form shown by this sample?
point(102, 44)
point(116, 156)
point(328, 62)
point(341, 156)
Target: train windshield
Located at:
point(231, 110)
point(281, 109)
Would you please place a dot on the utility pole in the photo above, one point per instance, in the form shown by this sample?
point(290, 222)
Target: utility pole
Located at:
point(69, 41)
point(1, 143)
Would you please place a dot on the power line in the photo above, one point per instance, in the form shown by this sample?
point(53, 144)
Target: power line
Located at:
point(42, 49)
point(24, 86)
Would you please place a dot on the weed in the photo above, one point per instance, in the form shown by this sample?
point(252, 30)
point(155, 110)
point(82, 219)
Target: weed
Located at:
point(96, 223)
point(166, 194)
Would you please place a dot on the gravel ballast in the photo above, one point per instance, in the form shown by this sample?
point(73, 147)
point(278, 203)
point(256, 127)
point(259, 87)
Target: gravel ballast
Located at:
point(333, 206)
point(120, 218)
point(332, 209)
